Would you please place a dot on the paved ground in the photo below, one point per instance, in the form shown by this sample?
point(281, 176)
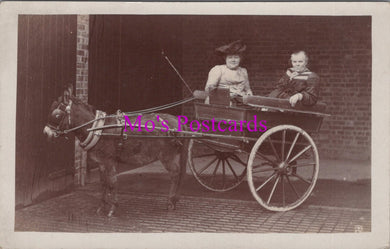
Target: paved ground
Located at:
point(335, 206)
point(75, 212)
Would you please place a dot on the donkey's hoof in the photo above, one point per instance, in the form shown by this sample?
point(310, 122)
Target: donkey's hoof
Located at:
point(100, 211)
point(171, 206)
point(112, 211)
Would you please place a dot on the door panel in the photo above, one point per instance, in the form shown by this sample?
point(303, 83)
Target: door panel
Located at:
point(46, 63)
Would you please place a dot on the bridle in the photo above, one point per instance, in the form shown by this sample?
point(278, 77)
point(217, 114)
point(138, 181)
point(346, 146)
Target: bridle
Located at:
point(61, 110)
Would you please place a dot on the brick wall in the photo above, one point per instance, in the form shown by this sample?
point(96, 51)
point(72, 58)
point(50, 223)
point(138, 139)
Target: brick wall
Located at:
point(339, 50)
point(82, 57)
point(81, 89)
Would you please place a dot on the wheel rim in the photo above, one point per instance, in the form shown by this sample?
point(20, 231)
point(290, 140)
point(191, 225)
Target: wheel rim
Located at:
point(283, 168)
point(216, 170)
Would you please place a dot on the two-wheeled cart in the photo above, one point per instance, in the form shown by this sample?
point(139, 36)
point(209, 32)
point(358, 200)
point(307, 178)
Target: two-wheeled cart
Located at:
point(281, 164)
point(273, 149)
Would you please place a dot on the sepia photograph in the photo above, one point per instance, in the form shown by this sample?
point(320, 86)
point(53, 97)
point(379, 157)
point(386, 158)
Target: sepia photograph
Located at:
point(171, 127)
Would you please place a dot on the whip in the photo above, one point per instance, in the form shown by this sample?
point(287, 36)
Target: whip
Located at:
point(177, 72)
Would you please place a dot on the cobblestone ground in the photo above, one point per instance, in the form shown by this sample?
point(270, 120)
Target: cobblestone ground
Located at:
point(75, 212)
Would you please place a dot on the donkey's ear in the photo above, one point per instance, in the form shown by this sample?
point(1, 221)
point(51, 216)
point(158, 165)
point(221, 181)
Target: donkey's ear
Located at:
point(66, 97)
point(70, 89)
point(54, 105)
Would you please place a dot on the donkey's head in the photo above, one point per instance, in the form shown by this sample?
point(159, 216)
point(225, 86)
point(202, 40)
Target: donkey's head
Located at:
point(59, 117)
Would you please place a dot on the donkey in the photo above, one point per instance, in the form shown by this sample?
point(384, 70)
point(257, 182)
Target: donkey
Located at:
point(70, 113)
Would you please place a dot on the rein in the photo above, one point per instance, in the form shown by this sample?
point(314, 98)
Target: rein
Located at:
point(134, 113)
point(159, 108)
point(149, 110)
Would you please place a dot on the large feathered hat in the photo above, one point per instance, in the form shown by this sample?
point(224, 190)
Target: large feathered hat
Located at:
point(235, 47)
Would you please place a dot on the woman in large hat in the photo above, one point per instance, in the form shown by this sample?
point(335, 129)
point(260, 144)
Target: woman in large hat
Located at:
point(230, 75)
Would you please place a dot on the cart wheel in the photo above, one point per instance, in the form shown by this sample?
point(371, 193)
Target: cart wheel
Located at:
point(283, 168)
point(216, 169)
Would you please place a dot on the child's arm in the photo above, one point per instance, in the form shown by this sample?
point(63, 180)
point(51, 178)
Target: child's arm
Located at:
point(311, 93)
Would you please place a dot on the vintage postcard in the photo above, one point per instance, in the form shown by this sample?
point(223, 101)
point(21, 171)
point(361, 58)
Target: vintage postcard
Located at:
point(194, 125)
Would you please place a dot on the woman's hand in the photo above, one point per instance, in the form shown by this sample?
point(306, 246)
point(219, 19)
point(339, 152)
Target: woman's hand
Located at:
point(234, 95)
point(295, 98)
point(210, 88)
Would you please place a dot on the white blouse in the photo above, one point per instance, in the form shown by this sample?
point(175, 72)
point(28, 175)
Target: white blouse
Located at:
point(236, 80)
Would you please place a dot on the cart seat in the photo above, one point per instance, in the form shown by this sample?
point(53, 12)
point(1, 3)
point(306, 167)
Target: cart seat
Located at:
point(262, 101)
point(221, 96)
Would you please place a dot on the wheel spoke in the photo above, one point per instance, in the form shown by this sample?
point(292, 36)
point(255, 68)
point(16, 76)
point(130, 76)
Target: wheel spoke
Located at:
point(216, 167)
point(292, 186)
point(262, 170)
point(269, 179)
point(301, 178)
point(304, 165)
point(292, 146)
point(273, 189)
point(262, 165)
point(223, 173)
point(300, 153)
point(265, 158)
point(231, 169)
point(207, 166)
point(273, 178)
point(215, 171)
point(283, 142)
point(237, 159)
point(273, 148)
point(284, 201)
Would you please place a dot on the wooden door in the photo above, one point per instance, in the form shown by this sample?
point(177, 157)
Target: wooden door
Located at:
point(46, 63)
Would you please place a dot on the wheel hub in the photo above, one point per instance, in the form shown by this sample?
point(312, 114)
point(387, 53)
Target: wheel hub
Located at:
point(284, 168)
point(282, 165)
point(222, 155)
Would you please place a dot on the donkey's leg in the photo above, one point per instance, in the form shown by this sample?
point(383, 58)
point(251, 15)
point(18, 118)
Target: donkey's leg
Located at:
point(183, 160)
point(113, 200)
point(176, 173)
point(103, 181)
point(112, 179)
